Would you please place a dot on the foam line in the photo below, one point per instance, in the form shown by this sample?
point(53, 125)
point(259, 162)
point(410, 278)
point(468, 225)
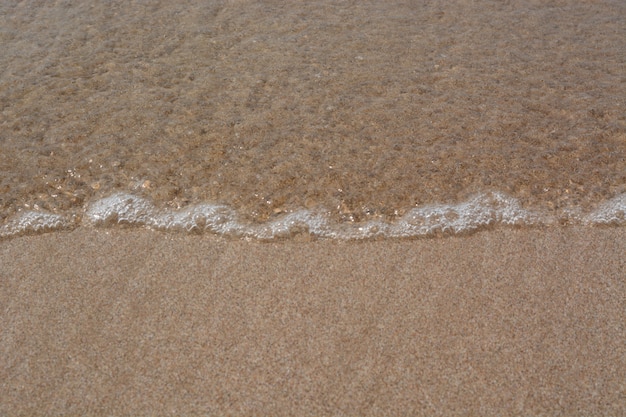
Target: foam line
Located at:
point(609, 212)
point(482, 211)
point(31, 222)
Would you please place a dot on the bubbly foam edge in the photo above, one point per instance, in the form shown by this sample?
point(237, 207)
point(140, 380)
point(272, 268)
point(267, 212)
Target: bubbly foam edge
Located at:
point(481, 211)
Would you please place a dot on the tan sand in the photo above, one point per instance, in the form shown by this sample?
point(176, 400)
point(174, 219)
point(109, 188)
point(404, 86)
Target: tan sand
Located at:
point(135, 322)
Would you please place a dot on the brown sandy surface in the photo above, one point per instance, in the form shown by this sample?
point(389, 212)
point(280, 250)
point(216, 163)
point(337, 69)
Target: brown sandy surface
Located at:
point(134, 322)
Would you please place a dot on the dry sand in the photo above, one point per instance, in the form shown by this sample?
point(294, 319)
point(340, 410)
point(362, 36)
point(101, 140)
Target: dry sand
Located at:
point(135, 322)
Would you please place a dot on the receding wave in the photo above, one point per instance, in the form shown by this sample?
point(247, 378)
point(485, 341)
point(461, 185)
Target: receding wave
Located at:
point(482, 211)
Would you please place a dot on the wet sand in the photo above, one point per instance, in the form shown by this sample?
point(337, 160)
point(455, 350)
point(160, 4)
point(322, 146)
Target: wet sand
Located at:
point(136, 322)
point(364, 108)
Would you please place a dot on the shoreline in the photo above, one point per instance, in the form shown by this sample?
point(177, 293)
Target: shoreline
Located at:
point(129, 321)
point(482, 211)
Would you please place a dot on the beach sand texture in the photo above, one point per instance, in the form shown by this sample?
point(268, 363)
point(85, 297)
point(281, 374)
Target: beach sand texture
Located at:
point(117, 116)
point(134, 322)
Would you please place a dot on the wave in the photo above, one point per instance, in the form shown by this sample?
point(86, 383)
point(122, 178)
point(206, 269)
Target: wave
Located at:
point(480, 212)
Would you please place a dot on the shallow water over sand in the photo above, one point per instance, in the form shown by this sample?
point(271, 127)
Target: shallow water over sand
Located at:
point(362, 110)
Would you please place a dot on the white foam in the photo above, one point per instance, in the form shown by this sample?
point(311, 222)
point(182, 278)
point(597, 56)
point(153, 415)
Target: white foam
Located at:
point(482, 211)
point(610, 212)
point(34, 222)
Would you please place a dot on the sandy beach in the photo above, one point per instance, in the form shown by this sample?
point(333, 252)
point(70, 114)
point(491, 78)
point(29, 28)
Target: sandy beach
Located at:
point(501, 123)
point(136, 322)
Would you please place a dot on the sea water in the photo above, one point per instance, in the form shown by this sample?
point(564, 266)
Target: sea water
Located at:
point(336, 119)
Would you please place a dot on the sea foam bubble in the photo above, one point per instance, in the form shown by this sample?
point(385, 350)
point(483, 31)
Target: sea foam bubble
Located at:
point(31, 222)
point(482, 211)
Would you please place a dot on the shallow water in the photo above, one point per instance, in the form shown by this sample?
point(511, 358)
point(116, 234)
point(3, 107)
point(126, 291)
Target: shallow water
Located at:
point(353, 113)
